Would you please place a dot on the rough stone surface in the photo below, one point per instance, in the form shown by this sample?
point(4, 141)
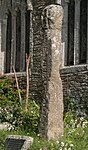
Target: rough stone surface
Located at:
point(75, 84)
point(52, 52)
point(27, 141)
point(4, 126)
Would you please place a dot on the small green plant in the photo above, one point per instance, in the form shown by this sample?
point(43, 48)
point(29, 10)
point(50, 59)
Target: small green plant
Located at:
point(30, 118)
point(26, 122)
point(13, 113)
point(75, 136)
point(76, 107)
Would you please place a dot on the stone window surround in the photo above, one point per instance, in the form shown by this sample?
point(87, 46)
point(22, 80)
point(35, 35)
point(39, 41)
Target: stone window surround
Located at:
point(3, 23)
point(76, 33)
point(19, 74)
point(74, 69)
point(13, 41)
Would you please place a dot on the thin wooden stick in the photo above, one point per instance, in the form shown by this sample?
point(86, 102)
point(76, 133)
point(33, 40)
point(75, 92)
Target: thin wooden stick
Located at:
point(17, 84)
point(27, 78)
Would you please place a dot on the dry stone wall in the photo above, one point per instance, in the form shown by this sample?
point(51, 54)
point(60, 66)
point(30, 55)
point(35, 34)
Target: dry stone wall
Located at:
point(37, 88)
point(75, 85)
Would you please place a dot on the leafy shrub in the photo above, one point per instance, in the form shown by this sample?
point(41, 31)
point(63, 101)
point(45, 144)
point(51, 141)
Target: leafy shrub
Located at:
point(78, 108)
point(30, 119)
point(11, 111)
point(75, 126)
point(75, 136)
point(9, 101)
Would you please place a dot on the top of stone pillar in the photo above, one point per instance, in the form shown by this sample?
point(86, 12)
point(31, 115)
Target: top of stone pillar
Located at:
point(52, 17)
point(29, 5)
point(67, 1)
point(58, 2)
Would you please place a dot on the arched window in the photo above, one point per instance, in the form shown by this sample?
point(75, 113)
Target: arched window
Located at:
point(18, 40)
point(83, 31)
point(16, 29)
point(8, 42)
point(71, 18)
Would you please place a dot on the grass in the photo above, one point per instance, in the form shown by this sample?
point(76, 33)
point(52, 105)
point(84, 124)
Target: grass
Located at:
point(73, 139)
point(75, 127)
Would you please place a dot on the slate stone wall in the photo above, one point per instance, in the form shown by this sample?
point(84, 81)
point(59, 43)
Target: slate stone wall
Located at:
point(21, 79)
point(37, 87)
point(75, 84)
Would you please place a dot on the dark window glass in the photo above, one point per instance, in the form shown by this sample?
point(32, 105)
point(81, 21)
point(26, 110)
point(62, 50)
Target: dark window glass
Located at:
point(71, 17)
point(27, 35)
point(83, 31)
point(8, 42)
point(18, 40)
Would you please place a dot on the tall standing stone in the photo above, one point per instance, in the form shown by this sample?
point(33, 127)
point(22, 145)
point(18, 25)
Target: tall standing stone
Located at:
point(51, 121)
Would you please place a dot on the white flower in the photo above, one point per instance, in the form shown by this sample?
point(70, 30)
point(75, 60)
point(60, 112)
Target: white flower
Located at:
point(78, 126)
point(57, 142)
point(70, 132)
point(31, 111)
point(38, 134)
point(71, 121)
point(67, 126)
point(81, 118)
point(62, 144)
point(14, 122)
point(73, 130)
point(65, 148)
point(73, 126)
point(76, 121)
point(69, 148)
point(71, 145)
point(84, 125)
point(11, 115)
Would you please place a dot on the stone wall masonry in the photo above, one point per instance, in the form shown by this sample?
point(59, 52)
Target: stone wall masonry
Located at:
point(37, 88)
point(7, 6)
point(37, 48)
point(21, 79)
point(75, 84)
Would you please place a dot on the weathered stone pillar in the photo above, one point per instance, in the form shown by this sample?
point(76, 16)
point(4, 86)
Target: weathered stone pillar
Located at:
point(51, 122)
point(77, 32)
